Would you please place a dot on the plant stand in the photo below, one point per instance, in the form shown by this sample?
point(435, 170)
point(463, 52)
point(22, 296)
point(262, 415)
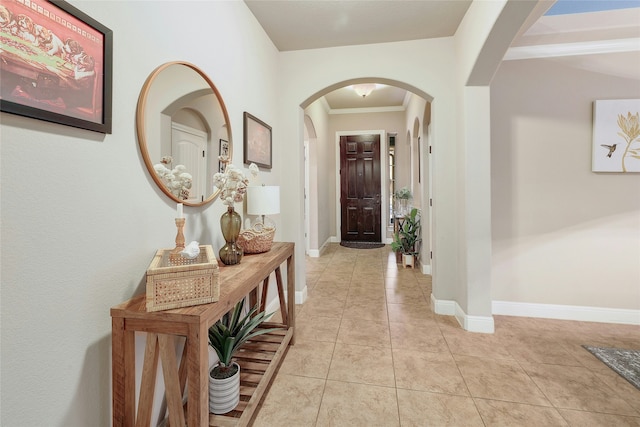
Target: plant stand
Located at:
point(397, 225)
point(408, 260)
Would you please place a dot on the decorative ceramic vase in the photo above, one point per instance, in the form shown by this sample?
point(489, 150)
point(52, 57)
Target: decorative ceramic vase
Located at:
point(230, 223)
point(224, 394)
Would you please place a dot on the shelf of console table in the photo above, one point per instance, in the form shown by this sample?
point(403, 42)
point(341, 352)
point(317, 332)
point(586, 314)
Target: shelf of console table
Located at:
point(259, 359)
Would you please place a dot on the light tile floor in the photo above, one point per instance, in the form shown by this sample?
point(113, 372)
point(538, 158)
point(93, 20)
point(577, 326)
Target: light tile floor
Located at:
point(370, 352)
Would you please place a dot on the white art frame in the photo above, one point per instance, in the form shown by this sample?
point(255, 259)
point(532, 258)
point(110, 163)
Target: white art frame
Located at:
point(616, 136)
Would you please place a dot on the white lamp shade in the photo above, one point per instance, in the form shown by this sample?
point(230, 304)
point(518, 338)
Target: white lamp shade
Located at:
point(263, 200)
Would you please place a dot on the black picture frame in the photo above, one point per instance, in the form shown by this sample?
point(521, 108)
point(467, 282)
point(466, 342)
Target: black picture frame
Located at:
point(257, 142)
point(56, 64)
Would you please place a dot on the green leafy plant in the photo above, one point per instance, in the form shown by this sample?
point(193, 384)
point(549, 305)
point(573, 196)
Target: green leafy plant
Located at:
point(229, 333)
point(406, 239)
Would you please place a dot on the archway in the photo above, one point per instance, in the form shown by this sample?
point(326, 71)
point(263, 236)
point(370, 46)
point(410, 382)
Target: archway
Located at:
point(310, 186)
point(411, 119)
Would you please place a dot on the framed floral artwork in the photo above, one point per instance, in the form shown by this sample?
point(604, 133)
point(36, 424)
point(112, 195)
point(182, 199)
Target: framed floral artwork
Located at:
point(616, 135)
point(257, 141)
point(56, 64)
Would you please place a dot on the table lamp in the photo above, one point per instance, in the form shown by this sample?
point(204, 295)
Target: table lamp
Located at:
point(263, 200)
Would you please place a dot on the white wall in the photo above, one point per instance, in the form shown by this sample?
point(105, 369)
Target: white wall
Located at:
point(82, 218)
point(436, 69)
point(415, 111)
point(427, 66)
point(481, 41)
point(322, 177)
point(562, 235)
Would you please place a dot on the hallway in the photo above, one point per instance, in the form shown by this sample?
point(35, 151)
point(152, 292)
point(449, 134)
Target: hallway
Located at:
point(370, 352)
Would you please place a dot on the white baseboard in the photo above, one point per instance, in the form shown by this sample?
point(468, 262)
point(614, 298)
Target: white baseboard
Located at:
point(426, 269)
point(480, 324)
point(444, 307)
point(274, 304)
point(301, 296)
point(545, 311)
point(567, 312)
point(315, 253)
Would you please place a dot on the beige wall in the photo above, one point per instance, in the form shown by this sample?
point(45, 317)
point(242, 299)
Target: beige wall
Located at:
point(321, 178)
point(415, 114)
point(82, 218)
point(561, 233)
point(304, 75)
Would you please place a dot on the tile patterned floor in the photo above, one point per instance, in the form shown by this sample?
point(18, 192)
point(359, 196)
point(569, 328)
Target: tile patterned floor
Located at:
point(370, 352)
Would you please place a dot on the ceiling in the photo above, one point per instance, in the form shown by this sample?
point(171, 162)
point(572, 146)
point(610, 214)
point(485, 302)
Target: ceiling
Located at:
point(314, 24)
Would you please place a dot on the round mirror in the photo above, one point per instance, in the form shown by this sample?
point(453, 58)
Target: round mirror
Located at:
point(183, 127)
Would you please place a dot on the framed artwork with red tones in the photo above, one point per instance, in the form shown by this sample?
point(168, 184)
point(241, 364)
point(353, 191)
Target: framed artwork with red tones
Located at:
point(56, 64)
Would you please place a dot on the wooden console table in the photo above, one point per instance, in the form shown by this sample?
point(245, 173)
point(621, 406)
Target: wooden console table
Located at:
point(259, 361)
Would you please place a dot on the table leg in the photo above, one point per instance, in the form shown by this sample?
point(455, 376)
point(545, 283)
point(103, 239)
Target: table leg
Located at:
point(171, 380)
point(148, 380)
point(253, 298)
point(291, 294)
point(124, 387)
point(283, 304)
point(265, 289)
point(198, 375)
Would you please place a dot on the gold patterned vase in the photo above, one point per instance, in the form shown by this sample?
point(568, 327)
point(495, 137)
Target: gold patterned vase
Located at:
point(230, 223)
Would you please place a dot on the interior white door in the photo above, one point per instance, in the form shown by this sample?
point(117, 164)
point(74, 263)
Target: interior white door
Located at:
point(189, 148)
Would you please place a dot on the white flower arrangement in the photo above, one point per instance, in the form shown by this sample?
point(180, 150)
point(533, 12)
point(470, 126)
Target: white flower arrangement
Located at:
point(177, 180)
point(232, 182)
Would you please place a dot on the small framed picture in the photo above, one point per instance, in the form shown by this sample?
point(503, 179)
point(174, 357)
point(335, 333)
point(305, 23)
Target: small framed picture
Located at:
point(257, 141)
point(223, 150)
point(56, 64)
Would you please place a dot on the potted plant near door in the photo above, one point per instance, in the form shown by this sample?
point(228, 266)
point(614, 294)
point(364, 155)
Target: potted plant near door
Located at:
point(226, 337)
point(407, 238)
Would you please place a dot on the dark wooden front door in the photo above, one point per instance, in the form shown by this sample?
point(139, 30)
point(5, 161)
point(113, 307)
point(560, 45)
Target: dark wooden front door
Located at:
point(360, 188)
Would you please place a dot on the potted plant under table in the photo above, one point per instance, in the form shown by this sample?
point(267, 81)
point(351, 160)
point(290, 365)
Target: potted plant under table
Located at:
point(226, 337)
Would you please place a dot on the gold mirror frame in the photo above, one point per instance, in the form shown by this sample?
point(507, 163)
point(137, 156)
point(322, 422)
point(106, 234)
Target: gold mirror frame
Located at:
point(143, 121)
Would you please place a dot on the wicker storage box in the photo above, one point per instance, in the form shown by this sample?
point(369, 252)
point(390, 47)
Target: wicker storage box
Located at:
point(257, 239)
point(174, 281)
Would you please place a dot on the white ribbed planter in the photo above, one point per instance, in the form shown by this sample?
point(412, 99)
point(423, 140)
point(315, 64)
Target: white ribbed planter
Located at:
point(224, 395)
point(407, 259)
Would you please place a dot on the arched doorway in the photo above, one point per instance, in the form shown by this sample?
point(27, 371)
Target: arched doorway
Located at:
point(310, 187)
point(413, 168)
